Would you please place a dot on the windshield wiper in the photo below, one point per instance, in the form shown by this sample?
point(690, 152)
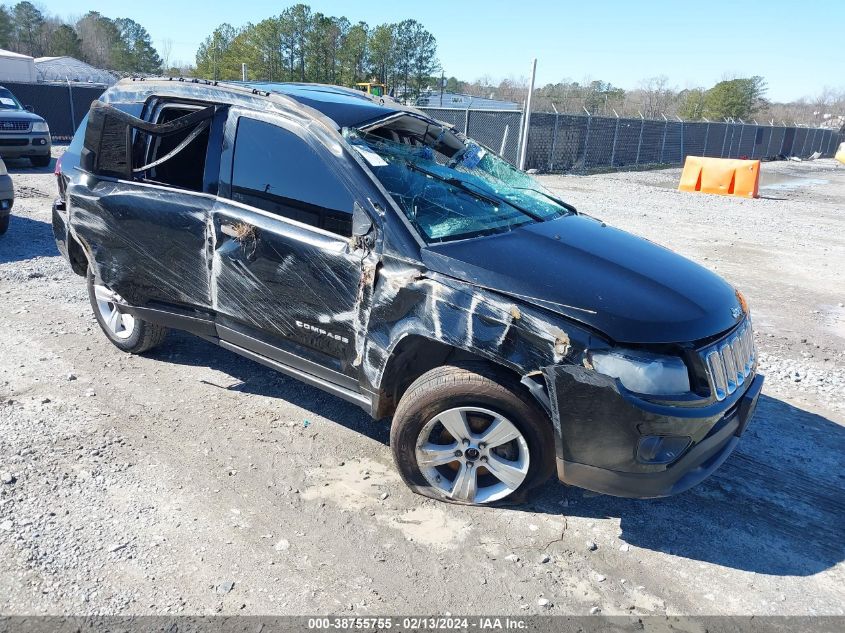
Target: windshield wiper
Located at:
point(473, 190)
point(546, 195)
point(455, 182)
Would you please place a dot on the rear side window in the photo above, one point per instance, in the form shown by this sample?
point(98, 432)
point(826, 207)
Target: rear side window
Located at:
point(278, 171)
point(170, 150)
point(186, 168)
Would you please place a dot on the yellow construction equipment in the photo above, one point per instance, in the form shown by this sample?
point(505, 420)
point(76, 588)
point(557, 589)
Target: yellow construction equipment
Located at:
point(840, 153)
point(725, 176)
point(375, 89)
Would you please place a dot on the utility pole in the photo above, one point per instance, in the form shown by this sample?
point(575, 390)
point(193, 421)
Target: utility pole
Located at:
point(243, 72)
point(523, 150)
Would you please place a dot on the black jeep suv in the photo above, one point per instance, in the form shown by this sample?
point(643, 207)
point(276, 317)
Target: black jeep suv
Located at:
point(378, 254)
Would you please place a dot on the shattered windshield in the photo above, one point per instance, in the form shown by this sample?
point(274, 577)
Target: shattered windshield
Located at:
point(448, 194)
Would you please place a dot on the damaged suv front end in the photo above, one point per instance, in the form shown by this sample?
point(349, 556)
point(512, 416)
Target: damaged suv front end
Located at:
point(659, 435)
point(647, 359)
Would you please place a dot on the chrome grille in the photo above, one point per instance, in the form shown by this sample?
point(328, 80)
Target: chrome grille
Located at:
point(730, 361)
point(14, 126)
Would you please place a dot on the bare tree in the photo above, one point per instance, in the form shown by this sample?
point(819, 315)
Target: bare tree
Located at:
point(656, 95)
point(166, 50)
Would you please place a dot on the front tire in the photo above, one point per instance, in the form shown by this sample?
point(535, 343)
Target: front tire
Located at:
point(126, 332)
point(4, 223)
point(469, 434)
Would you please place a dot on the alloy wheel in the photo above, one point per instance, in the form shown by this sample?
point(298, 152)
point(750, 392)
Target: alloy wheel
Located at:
point(472, 454)
point(120, 324)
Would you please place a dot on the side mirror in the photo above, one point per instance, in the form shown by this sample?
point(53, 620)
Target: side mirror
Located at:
point(362, 228)
point(29, 108)
point(361, 222)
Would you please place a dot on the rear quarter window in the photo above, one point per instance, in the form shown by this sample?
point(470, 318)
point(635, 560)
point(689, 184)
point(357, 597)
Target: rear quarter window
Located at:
point(74, 148)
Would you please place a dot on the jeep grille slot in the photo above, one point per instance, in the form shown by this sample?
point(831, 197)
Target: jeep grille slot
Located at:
point(730, 361)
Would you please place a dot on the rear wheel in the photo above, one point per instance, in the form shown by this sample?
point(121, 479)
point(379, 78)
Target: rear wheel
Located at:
point(125, 331)
point(469, 434)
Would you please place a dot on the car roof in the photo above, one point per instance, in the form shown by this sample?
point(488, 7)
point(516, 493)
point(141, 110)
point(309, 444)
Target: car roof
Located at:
point(345, 106)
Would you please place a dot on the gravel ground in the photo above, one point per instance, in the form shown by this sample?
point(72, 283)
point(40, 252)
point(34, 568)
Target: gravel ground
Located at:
point(190, 480)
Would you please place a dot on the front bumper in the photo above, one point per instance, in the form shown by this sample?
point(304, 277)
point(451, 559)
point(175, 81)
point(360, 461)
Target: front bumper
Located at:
point(24, 145)
point(598, 432)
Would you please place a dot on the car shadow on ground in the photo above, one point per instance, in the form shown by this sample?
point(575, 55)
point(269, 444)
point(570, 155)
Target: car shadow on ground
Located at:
point(24, 166)
point(26, 239)
point(250, 377)
point(775, 506)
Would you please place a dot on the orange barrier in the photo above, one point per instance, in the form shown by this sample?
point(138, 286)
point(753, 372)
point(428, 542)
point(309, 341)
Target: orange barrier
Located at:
point(840, 154)
point(725, 176)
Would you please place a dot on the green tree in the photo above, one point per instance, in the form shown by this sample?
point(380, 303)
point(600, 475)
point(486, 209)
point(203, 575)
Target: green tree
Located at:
point(213, 54)
point(264, 56)
point(601, 96)
point(6, 28)
point(301, 45)
point(404, 47)
point(735, 98)
point(297, 22)
point(353, 54)
point(27, 22)
point(693, 104)
point(424, 62)
point(382, 53)
point(134, 51)
point(249, 47)
point(100, 40)
point(323, 42)
point(64, 41)
point(454, 85)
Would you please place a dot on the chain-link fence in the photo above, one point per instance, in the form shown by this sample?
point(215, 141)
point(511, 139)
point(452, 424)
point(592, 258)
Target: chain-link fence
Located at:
point(580, 143)
point(62, 105)
point(497, 129)
point(556, 142)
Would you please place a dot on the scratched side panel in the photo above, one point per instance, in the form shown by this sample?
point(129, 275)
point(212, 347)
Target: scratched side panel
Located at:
point(276, 277)
point(408, 300)
point(145, 243)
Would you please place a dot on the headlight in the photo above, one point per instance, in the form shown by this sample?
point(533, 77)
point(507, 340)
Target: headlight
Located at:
point(643, 372)
point(40, 126)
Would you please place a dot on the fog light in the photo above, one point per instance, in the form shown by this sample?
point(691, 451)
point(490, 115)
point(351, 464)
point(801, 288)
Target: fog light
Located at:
point(40, 141)
point(661, 449)
point(5, 205)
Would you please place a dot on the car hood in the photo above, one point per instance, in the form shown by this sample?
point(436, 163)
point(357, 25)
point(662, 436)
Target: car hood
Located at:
point(629, 288)
point(19, 115)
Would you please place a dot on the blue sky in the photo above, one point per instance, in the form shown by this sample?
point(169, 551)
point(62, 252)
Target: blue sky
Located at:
point(799, 47)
